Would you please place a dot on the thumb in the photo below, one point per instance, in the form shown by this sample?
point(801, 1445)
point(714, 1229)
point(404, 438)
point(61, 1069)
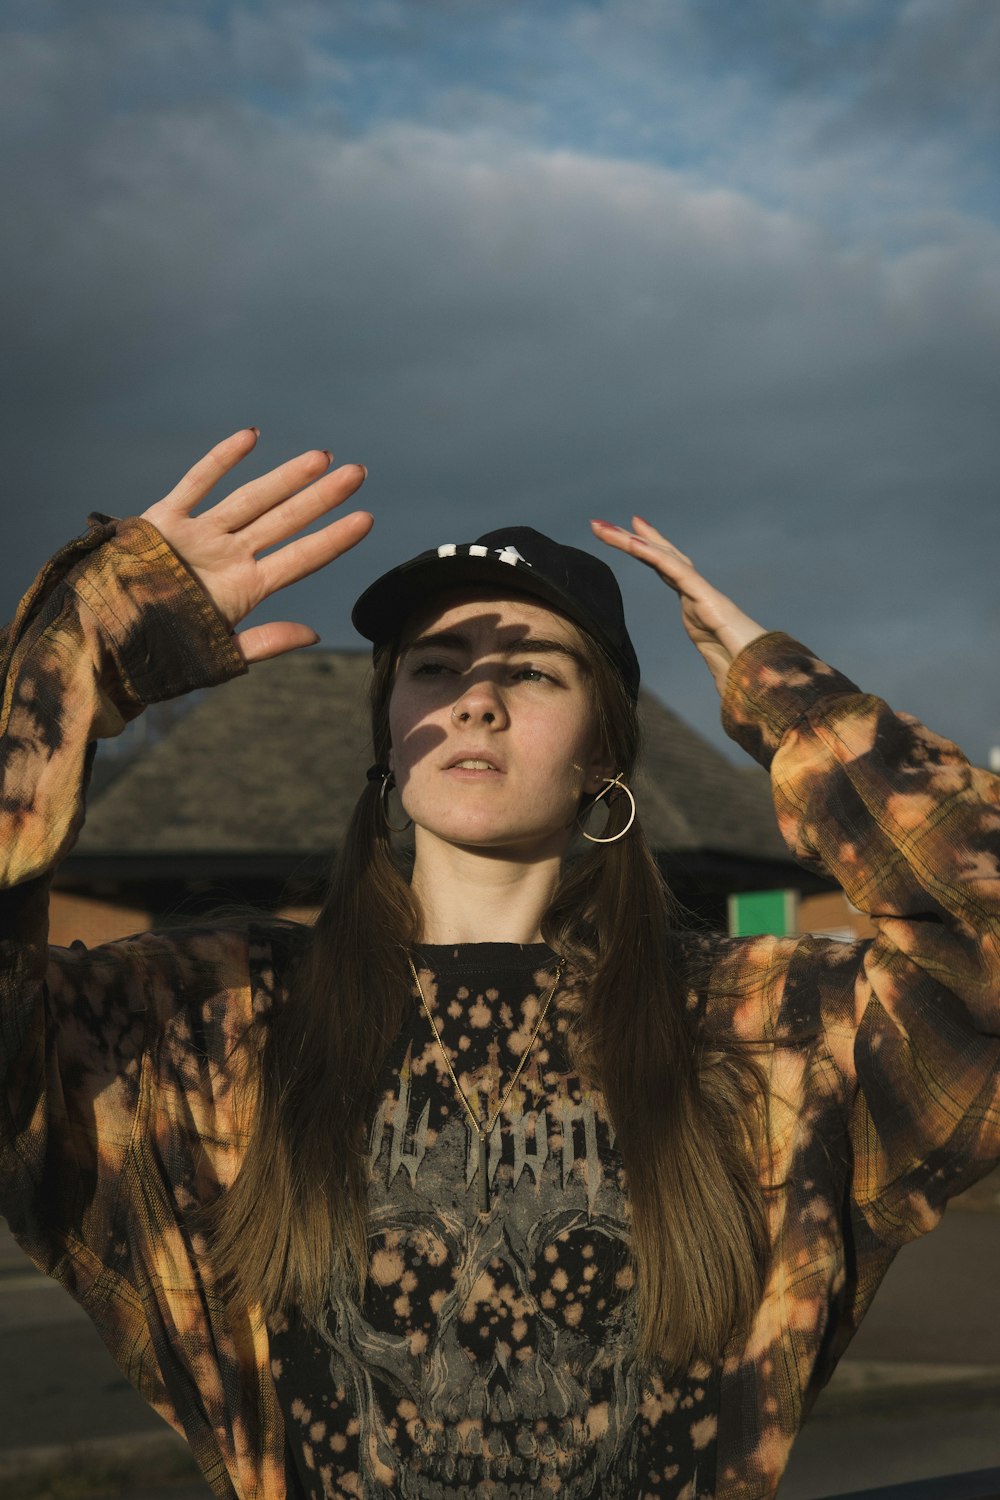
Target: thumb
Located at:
point(263, 641)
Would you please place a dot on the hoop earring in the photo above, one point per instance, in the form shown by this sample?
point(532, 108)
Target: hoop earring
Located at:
point(388, 782)
point(610, 781)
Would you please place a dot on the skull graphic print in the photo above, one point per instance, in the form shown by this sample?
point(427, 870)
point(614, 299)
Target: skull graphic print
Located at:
point(491, 1355)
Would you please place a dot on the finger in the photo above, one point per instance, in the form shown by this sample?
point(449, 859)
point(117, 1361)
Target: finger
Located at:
point(614, 536)
point(718, 627)
point(263, 641)
point(245, 505)
point(207, 472)
point(284, 519)
point(661, 556)
point(310, 553)
point(649, 533)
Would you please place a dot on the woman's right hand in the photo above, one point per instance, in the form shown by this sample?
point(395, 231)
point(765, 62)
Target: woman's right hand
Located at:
point(220, 545)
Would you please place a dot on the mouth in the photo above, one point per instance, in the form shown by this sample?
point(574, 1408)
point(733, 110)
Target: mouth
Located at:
point(451, 1470)
point(481, 764)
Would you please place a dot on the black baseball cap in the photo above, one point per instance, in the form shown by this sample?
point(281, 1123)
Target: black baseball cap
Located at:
point(517, 559)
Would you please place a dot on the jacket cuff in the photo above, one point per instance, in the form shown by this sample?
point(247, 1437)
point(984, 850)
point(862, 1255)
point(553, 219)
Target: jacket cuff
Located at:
point(772, 684)
point(165, 633)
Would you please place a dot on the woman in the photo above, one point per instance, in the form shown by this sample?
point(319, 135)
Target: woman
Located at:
point(492, 1183)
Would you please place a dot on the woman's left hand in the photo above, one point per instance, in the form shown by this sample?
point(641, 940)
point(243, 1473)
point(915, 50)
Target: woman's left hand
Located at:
point(714, 623)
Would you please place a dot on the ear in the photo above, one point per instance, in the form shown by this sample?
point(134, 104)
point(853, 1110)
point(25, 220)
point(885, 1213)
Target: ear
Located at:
point(599, 772)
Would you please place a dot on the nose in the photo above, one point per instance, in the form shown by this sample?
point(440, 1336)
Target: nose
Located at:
point(481, 703)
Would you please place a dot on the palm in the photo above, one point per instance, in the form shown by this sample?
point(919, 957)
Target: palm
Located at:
point(717, 626)
point(221, 545)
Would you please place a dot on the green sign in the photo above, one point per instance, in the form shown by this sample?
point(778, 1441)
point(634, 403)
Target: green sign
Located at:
point(755, 912)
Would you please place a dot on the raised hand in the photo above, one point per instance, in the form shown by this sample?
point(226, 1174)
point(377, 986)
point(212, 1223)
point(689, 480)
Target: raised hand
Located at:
point(220, 545)
point(714, 623)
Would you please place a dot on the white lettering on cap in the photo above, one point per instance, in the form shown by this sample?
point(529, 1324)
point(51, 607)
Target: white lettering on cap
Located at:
point(506, 553)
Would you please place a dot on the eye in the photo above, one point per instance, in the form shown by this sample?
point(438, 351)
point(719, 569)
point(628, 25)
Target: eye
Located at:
point(430, 669)
point(532, 674)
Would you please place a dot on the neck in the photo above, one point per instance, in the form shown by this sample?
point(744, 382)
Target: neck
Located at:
point(468, 896)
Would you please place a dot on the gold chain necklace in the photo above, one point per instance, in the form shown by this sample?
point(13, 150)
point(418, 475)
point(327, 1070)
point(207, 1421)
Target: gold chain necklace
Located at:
point(483, 1132)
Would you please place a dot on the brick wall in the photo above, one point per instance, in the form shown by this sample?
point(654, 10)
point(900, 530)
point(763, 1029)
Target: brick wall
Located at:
point(830, 914)
point(92, 920)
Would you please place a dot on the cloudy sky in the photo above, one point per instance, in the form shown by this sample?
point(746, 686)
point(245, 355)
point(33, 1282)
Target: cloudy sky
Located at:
point(735, 267)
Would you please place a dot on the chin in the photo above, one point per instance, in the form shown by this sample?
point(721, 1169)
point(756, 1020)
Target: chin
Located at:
point(488, 837)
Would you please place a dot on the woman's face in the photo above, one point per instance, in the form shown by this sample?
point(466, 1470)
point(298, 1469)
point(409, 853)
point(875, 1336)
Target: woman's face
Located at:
point(492, 722)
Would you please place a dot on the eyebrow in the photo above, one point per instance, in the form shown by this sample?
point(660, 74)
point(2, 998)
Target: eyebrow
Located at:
point(527, 645)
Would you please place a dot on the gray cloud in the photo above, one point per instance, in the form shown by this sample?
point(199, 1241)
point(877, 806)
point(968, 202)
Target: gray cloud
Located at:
point(909, 65)
point(502, 330)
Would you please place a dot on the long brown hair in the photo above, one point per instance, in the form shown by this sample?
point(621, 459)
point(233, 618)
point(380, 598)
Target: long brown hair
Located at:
point(688, 1107)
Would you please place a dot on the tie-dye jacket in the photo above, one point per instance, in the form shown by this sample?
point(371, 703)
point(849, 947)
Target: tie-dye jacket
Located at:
point(117, 1105)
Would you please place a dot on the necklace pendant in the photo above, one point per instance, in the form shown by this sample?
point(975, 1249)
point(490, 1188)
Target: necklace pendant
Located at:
point(482, 1133)
point(484, 1175)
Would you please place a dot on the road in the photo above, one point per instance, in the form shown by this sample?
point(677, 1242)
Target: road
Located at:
point(918, 1394)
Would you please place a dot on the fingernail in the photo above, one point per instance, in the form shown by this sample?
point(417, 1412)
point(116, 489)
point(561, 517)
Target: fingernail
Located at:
point(255, 431)
point(363, 469)
point(609, 524)
point(329, 455)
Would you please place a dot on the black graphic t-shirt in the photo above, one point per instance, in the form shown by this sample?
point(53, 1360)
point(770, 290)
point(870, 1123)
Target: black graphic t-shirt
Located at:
point(492, 1354)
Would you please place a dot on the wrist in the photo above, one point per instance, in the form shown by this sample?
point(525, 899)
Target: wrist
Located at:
point(771, 685)
point(165, 633)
